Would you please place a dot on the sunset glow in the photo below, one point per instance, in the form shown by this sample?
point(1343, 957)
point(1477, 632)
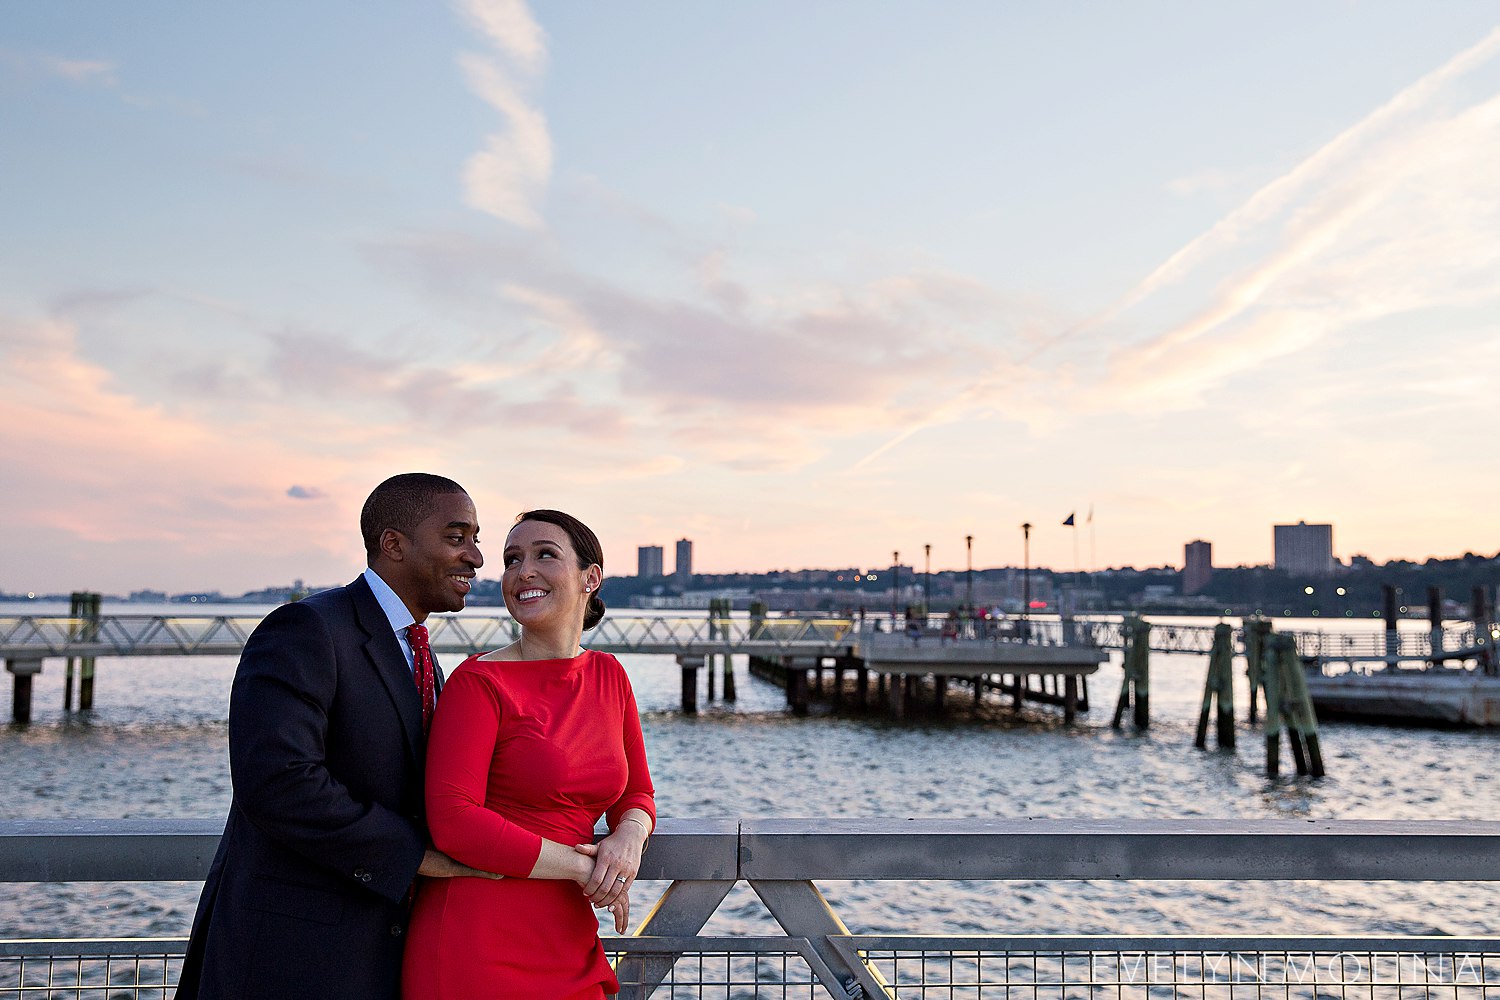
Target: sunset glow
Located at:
point(805, 284)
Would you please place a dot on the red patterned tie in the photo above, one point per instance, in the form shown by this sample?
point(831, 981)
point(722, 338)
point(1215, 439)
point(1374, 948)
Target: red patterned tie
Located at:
point(423, 671)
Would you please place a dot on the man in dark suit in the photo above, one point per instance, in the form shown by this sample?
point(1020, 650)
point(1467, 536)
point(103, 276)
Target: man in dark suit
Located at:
point(308, 893)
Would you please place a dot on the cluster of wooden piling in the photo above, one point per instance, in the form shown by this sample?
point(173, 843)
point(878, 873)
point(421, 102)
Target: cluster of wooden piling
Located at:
point(1274, 669)
point(1289, 707)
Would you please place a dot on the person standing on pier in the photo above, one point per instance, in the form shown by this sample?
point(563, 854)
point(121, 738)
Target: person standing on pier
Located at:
point(531, 745)
point(308, 895)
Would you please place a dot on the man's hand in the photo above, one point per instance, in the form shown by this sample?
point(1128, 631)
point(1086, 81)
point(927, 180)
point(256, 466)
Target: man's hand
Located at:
point(436, 864)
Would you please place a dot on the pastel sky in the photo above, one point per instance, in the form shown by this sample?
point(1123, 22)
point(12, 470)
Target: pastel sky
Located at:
point(807, 283)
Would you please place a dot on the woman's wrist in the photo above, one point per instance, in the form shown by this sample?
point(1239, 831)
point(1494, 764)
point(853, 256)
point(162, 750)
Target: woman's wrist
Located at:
point(636, 826)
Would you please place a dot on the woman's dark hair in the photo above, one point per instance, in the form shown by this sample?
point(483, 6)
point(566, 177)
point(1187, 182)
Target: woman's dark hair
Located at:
point(585, 545)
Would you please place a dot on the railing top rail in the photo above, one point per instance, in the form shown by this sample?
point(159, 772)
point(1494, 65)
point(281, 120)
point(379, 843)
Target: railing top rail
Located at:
point(783, 849)
point(23, 636)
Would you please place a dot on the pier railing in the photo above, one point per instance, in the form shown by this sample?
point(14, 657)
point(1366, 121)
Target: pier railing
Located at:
point(23, 636)
point(816, 955)
point(33, 636)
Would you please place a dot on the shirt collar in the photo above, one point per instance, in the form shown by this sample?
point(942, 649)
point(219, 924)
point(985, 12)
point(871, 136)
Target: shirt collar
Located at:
point(395, 609)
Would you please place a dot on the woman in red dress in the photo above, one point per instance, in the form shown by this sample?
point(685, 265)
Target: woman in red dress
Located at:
point(530, 745)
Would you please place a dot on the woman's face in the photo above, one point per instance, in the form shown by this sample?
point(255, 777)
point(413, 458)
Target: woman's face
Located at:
point(542, 582)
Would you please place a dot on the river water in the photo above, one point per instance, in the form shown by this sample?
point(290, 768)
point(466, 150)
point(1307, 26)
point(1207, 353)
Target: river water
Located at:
point(155, 747)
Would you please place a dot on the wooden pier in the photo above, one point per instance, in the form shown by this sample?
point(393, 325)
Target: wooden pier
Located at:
point(893, 671)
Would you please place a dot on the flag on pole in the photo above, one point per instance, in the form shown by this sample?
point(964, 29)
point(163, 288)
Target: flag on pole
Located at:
point(1069, 522)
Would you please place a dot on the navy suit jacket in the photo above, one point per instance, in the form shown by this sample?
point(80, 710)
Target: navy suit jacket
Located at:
point(307, 895)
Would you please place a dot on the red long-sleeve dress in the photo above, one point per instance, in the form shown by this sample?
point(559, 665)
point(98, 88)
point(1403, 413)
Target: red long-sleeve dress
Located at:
point(521, 750)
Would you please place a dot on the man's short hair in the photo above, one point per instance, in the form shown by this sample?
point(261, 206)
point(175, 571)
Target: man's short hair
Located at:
point(401, 502)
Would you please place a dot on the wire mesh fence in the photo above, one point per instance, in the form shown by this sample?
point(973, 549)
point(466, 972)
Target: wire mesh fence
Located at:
point(1196, 968)
point(913, 968)
point(90, 968)
point(738, 968)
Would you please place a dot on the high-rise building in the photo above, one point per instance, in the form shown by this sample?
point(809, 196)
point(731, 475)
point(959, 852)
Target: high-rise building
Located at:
point(1197, 567)
point(1304, 549)
point(684, 571)
point(648, 562)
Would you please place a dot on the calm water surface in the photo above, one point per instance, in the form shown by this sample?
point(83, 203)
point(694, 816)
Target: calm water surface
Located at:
point(156, 747)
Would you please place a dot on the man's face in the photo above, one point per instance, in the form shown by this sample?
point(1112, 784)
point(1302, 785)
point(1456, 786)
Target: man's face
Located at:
point(438, 560)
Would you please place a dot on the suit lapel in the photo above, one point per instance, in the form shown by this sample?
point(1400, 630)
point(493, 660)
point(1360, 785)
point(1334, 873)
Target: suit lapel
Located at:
point(386, 657)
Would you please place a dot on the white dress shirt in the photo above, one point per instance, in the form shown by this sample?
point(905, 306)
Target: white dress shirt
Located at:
point(395, 609)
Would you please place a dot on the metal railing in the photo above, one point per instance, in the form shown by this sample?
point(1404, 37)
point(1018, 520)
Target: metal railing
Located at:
point(815, 955)
point(23, 636)
point(33, 636)
point(30, 636)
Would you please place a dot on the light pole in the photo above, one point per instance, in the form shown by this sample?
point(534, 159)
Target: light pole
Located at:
point(1026, 578)
point(895, 585)
point(969, 576)
point(927, 582)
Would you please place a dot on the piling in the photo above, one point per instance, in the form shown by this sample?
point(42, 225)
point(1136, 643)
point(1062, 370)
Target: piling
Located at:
point(761, 665)
point(895, 692)
point(1219, 687)
point(720, 625)
point(796, 686)
point(689, 665)
point(1435, 623)
point(84, 609)
point(1135, 689)
point(22, 670)
point(1392, 635)
point(729, 692)
point(1483, 635)
point(1257, 632)
point(1289, 707)
point(1270, 678)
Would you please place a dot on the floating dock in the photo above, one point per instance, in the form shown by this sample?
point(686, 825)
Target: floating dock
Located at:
point(1440, 695)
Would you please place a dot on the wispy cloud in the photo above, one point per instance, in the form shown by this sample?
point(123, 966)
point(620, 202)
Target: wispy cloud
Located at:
point(45, 66)
point(742, 378)
point(1398, 215)
point(508, 177)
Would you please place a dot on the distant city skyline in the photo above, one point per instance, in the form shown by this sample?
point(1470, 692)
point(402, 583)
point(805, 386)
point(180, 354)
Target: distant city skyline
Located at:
point(805, 283)
point(1196, 568)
